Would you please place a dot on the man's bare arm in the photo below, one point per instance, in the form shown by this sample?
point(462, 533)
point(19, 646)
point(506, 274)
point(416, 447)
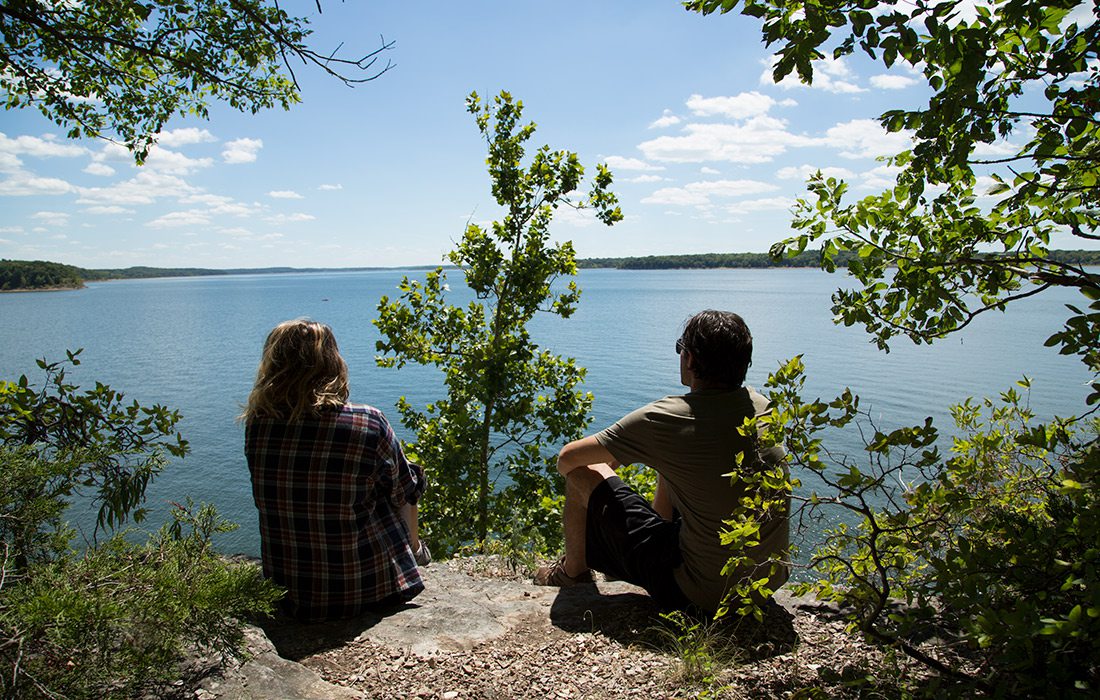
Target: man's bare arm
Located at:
point(662, 502)
point(583, 452)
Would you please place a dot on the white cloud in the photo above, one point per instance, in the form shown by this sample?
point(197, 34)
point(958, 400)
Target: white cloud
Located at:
point(997, 149)
point(168, 161)
point(206, 199)
point(865, 138)
point(803, 172)
point(24, 184)
point(757, 140)
point(621, 163)
point(666, 120)
point(701, 193)
point(1082, 15)
point(113, 151)
point(11, 229)
point(242, 150)
point(176, 219)
point(645, 178)
point(9, 162)
point(890, 81)
point(144, 188)
point(220, 204)
point(330, 187)
point(764, 204)
point(174, 138)
point(284, 194)
point(95, 168)
point(881, 178)
point(290, 218)
point(576, 218)
point(45, 147)
point(742, 106)
point(108, 210)
point(51, 218)
point(709, 171)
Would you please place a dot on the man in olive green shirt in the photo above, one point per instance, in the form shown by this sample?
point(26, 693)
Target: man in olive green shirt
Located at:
point(672, 547)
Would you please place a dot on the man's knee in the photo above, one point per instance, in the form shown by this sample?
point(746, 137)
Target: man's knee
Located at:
point(582, 481)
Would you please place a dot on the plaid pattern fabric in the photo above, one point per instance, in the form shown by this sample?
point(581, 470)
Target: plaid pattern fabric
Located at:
point(329, 490)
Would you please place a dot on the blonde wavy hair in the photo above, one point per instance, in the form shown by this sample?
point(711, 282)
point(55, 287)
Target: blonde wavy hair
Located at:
point(301, 373)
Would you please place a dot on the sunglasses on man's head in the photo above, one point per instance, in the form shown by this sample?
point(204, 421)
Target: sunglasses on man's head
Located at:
point(680, 345)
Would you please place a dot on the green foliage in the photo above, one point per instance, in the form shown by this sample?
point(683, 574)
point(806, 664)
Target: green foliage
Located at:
point(507, 400)
point(767, 498)
point(38, 274)
point(106, 622)
point(1020, 68)
point(122, 69)
point(703, 261)
point(704, 648)
point(114, 621)
point(807, 258)
point(982, 564)
point(991, 553)
point(96, 439)
point(33, 499)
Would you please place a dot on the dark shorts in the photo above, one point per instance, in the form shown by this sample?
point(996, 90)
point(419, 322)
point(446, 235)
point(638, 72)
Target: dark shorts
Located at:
point(626, 539)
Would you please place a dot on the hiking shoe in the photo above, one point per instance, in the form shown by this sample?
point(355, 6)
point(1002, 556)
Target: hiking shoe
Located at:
point(554, 575)
point(423, 554)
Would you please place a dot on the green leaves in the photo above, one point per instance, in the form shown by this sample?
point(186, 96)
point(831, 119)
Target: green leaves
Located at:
point(509, 405)
point(996, 543)
point(112, 446)
point(121, 70)
point(111, 622)
point(956, 260)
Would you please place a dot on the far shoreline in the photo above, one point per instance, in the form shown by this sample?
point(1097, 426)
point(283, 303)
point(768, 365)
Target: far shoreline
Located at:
point(70, 278)
point(60, 288)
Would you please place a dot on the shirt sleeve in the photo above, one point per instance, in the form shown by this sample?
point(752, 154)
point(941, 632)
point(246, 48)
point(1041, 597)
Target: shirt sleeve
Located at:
point(401, 481)
point(635, 438)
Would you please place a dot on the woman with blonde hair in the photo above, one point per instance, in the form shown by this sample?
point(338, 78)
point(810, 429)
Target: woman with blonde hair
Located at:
point(336, 496)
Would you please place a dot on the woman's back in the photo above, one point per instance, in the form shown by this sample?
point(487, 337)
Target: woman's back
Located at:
point(329, 491)
point(335, 493)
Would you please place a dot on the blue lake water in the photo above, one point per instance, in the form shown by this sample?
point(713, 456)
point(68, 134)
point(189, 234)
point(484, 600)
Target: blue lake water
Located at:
point(194, 343)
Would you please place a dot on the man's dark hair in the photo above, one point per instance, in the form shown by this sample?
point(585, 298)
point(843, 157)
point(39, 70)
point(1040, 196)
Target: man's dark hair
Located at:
point(720, 345)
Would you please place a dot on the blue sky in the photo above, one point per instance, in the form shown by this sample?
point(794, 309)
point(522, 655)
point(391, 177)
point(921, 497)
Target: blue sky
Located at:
point(708, 154)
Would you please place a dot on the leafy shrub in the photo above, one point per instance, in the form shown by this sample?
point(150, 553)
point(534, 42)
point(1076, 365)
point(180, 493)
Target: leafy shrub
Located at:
point(109, 620)
point(984, 564)
point(115, 619)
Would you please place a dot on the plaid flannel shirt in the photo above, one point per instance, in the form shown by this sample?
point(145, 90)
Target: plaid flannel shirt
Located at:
point(329, 491)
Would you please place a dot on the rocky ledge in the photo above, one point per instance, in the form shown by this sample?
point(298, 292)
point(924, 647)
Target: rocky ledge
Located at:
point(482, 630)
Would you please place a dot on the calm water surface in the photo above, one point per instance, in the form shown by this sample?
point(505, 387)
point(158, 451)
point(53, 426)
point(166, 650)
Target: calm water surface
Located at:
point(194, 343)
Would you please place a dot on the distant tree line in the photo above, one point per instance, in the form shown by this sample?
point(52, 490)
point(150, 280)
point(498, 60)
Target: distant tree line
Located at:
point(39, 274)
point(809, 258)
